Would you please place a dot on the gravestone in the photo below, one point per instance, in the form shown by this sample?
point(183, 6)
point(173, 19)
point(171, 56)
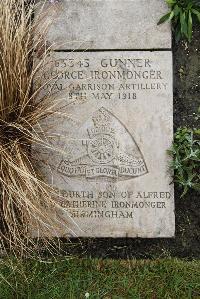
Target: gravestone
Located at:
point(111, 168)
point(108, 24)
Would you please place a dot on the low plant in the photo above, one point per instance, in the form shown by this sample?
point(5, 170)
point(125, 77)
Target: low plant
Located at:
point(186, 159)
point(25, 198)
point(183, 13)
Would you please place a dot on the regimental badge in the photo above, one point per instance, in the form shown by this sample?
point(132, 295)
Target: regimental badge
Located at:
point(108, 151)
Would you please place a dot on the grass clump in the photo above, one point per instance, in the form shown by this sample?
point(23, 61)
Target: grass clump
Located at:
point(24, 197)
point(120, 279)
point(185, 152)
point(183, 13)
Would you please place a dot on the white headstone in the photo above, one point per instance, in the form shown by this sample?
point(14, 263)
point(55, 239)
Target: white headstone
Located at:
point(112, 168)
point(107, 24)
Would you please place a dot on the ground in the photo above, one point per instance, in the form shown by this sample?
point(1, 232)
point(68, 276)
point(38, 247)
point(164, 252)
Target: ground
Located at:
point(186, 243)
point(100, 279)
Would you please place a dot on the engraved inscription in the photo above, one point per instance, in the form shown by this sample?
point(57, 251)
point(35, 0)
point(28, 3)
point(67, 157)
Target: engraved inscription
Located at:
point(111, 79)
point(111, 134)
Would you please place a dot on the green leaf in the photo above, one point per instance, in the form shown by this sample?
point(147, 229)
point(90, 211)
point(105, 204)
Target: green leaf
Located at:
point(164, 18)
point(184, 25)
point(170, 2)
point(197, 131)
point(177, 10)
point(182, 18)
point(190, 26)
point(197, 13)
point(185, 190)
point(171, 15)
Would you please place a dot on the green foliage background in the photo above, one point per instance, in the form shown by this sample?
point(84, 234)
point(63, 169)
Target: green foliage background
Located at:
point(183, 13)
point(186, 159)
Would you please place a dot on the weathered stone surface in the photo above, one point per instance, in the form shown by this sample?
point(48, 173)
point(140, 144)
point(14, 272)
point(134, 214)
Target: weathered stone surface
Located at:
point(112, 165)
point(104, 24)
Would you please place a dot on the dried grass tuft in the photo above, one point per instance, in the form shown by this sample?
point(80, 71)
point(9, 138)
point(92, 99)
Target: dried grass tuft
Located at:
point(25, 198)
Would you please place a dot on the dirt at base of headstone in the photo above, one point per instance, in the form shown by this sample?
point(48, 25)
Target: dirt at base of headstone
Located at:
point(187, 241)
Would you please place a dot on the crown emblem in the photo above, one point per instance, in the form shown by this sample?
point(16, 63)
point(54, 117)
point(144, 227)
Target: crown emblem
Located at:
point(101, 118)
point(102, 124)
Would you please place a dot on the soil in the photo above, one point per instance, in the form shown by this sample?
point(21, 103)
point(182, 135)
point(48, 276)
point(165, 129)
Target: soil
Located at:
point(186, 243)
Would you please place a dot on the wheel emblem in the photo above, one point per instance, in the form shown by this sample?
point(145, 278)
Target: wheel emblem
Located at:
point(102, 149)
